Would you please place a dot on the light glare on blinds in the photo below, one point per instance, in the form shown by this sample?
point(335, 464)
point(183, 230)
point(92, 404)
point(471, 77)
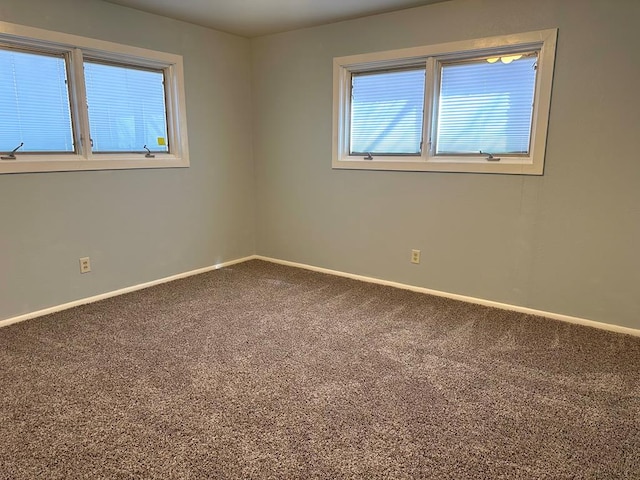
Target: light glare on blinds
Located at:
point(387, 112)
point(126, 108)
point(34, 103)
point(486, 106)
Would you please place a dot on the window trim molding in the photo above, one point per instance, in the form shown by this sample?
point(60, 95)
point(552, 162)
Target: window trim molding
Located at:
point(431, 55)
point(76, 47)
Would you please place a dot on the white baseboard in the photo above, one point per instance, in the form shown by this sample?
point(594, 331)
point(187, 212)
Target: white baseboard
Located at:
point(464, 298)
point(114, 293)
point(454, 296)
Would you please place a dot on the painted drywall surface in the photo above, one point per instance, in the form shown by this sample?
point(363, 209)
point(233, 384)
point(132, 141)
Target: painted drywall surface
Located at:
point(136, 225)
point(566, 242)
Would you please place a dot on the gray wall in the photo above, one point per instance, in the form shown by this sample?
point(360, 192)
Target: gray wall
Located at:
point(136, 225)
point(566, 242)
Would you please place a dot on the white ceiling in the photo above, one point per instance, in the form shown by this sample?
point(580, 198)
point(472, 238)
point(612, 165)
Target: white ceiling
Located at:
point(252, 18)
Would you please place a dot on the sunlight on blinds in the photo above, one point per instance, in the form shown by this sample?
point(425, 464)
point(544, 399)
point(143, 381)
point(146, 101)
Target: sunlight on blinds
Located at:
point(387, 112)
point(486, 106)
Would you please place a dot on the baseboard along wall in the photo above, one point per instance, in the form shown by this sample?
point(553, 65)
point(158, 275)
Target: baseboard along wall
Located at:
point(115, 293)
point(454, 296)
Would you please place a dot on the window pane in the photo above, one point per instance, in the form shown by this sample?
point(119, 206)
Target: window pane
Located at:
point(126, 108)
point(387, 112)
point(486, 106)
point(34, 103)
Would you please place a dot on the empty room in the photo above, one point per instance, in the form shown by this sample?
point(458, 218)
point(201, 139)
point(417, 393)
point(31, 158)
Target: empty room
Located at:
point(296, 239)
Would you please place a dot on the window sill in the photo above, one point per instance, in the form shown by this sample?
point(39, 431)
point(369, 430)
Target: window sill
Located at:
point(66, 163)
point(506, 165)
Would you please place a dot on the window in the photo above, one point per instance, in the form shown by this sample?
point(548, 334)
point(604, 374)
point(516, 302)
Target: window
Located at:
point(387, 111)
point(34, 101)
point(72, 103)
point(486, 105)
point(471, 106)
point(126, 108)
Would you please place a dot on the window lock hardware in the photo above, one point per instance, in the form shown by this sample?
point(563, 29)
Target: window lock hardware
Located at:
point(149, 154)
point(12, 154)
point(490, 157)
point(368, 157)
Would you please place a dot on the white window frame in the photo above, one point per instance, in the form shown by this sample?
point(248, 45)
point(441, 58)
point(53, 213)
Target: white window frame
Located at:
point(531, 163)
point(75, 49)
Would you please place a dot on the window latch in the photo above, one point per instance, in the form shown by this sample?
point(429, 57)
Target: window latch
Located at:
point(12, 154)
point(490, 157)
point(368, 157)
point(148, 155)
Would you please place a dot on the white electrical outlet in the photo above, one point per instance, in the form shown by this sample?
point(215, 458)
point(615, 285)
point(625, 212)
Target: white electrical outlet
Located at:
point(415, 256)
point(85, 265)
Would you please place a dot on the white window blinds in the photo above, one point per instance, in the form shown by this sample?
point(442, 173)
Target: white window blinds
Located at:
point(126, 108)
point(34, 102)
point(486, 105)
point(387, 110)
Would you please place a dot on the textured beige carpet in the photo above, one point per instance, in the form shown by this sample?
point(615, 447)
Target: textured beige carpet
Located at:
point(264, 371)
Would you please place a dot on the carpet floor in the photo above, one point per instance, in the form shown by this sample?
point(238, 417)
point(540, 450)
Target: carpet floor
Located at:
point(265, 371)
